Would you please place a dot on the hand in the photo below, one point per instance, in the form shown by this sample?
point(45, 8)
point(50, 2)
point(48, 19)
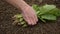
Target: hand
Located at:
point(29, 15)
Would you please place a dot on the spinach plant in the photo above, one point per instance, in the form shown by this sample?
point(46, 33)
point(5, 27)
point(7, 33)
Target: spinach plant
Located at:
point(48, 12)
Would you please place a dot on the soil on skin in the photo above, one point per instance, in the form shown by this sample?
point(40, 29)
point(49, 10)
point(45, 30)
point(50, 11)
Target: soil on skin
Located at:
point(7, 11)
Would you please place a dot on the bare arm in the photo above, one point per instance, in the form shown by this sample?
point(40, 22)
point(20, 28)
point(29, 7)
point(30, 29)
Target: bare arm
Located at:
point(18, 3)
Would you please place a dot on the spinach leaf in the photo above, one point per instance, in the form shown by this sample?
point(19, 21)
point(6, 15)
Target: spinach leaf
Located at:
point(48, 17)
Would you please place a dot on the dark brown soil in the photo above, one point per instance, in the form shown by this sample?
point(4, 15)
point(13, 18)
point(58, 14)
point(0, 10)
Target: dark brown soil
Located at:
point(7, 11)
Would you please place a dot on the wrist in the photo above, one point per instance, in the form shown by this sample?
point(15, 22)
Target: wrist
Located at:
point(23, 5)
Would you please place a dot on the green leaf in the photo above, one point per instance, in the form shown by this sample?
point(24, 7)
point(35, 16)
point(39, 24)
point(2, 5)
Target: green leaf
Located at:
point(38, 12)
point(41, 19)
point(48, 17)
point(46, 8)
point(18, 16)
point(21, 19)
point(25, 25)
point(55, 12)
point(23, 22)
point(36, 7)
point(49, 7)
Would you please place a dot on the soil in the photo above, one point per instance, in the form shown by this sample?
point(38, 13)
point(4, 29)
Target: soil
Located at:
point(7, 11)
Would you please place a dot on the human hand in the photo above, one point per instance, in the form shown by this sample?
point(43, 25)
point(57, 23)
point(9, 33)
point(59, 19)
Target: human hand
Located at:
point(29, 15)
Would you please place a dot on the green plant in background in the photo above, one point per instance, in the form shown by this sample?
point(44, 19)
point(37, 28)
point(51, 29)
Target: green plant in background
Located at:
point(48, 12)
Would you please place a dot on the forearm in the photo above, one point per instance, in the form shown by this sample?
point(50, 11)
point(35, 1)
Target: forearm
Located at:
point(18, 3)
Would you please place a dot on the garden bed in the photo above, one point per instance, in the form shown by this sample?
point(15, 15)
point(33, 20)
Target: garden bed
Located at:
point(7, 11)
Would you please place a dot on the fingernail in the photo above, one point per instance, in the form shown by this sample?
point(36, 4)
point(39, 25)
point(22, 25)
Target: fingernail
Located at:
point(29, 23)
point(33, 23)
